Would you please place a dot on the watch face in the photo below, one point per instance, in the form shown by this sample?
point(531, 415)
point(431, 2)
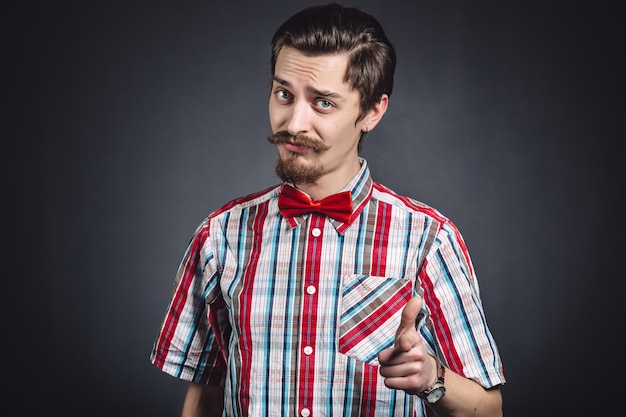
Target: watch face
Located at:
point(435, 395)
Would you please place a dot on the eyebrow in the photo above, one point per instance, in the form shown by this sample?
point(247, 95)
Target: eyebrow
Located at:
point(315, 91)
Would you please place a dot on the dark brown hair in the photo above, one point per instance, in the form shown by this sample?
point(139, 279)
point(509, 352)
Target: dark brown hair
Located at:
point(333, 28)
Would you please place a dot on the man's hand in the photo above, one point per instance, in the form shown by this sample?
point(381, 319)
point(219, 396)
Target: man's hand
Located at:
point(407, 365)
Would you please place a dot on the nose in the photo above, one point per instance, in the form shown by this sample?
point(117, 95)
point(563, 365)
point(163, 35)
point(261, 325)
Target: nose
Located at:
point(300, 118)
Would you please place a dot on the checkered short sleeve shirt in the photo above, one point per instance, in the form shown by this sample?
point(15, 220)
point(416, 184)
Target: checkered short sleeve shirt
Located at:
point(289, 314)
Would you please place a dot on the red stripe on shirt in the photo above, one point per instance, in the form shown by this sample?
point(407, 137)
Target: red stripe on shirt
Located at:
point(379, 245)
point(443, 333)
point(368, 403)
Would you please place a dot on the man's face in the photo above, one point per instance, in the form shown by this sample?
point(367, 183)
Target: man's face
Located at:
point(310, 98)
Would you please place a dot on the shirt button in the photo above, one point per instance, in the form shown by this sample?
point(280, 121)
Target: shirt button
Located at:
point(305, 412)
point(308, 350)
point(316, 232)
point(311, 289)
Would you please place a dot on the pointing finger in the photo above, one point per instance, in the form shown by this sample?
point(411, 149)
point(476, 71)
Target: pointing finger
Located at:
point(406, 335)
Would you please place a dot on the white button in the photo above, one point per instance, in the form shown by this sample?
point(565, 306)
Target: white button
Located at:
point(308, 350)
point(311, 289)
point(305, 412)
point(316, 232)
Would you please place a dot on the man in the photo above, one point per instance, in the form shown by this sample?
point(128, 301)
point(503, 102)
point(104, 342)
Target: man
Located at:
point(329, 294)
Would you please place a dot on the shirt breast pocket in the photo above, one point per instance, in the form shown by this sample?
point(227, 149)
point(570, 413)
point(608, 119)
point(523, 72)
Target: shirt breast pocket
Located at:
point(371, 307)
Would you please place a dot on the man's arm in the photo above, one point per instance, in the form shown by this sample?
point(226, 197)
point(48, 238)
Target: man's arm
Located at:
point(203, 401)
point(465, 397)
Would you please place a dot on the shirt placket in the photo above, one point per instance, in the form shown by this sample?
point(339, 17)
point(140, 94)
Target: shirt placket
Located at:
point(308, 322)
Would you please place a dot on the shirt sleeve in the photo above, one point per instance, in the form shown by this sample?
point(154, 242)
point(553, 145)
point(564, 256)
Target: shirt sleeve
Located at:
point(190, 344)
point(455, 326)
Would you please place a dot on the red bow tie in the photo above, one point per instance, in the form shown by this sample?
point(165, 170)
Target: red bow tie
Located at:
point(293, 202)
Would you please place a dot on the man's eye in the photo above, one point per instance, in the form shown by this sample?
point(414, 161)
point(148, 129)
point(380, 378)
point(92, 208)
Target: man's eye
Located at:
point(324, 104)
point(283, 95)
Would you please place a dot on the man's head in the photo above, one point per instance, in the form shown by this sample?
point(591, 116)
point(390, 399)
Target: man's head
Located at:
point(333, 28)
point(332, 73)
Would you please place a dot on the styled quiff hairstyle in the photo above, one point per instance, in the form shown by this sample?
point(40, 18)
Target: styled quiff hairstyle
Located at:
point(332, 29)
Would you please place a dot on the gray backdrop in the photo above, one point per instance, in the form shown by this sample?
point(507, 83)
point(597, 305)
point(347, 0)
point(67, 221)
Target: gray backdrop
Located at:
point(128, 122)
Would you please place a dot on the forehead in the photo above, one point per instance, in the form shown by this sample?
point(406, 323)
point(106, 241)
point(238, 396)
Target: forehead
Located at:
point(327, 71)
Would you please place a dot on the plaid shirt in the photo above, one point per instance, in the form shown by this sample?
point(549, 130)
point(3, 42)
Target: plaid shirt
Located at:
point(289, 314)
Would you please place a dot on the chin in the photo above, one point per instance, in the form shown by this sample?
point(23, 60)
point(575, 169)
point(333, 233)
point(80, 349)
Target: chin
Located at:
point(294, 170)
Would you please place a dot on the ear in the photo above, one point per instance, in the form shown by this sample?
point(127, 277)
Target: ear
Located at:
point(375, 114)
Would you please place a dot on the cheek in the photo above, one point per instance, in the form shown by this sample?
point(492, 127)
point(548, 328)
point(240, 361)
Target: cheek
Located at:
point(346, 134)
point(276, 117)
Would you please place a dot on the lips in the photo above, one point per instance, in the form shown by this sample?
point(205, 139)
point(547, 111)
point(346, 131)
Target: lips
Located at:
point(296, 148)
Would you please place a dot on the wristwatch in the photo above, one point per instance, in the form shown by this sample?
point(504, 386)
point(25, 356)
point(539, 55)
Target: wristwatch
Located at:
point(437, 390)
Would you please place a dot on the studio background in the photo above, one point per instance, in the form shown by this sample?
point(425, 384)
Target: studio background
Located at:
point(126, 123)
